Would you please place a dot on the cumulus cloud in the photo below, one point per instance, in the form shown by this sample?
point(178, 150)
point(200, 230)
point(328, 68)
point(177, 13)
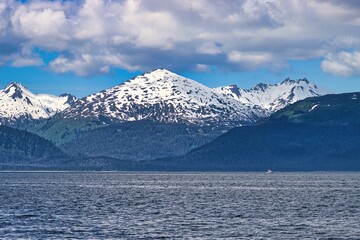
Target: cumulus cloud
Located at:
point(202, 68)
point(208, 48)
point(43, 27)
point(342, 63)
point(26, 62)
point(87, 64)
point(251, 59)
point(95, 36)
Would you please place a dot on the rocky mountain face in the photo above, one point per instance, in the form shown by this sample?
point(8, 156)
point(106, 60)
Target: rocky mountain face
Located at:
point(19, 105)
point(273, 97)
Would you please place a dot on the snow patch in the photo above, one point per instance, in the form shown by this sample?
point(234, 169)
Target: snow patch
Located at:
point(313, 107)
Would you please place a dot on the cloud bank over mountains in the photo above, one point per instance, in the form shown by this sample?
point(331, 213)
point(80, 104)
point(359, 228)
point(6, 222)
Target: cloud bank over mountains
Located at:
point(95, 36)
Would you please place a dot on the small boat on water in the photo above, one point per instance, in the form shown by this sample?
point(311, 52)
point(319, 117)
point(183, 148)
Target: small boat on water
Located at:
point(269, 171)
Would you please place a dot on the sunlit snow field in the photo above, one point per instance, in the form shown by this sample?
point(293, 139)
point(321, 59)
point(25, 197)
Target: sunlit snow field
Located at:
point(48, 205)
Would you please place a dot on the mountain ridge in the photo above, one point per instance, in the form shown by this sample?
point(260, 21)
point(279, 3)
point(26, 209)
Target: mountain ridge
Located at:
point(19, 105)
point(274, 97)
point(20, 149)
point(158, 95)
point(276, 146)
point(314, 134)
point(163, 96)
point(323, 110)
point(282, 143)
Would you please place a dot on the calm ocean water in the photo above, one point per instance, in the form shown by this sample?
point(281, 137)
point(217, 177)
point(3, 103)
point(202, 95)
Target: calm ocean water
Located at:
point(185, 205)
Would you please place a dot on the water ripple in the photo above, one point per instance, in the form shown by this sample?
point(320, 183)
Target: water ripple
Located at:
point(177, 206)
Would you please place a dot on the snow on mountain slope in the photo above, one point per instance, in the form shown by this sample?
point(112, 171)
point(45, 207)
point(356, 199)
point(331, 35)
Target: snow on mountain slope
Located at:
point(56, 103)
point(164, 96)
point(159, 95)
point(19, 103)
point(274, 97)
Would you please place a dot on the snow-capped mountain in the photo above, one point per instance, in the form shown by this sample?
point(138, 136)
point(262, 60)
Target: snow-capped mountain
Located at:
point(160, 96)
point(18, 104)
point(274, 97)
point(164, 96)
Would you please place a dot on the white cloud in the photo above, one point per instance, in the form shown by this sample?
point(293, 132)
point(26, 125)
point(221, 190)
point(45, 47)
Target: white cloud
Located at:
point(87, 64)
point(45, 27)
point(252, 60)
point(83, 66)
point(208, 48)
point(342, 63)
point(94, 36)
point(3, 21)
point(26, 62)
point(202, 68)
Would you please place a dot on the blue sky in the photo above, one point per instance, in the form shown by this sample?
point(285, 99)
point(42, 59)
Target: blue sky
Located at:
point(85, 46)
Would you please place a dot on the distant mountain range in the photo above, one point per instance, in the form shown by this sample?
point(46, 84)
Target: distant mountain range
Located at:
point(158, 115)
point(321, 133)
point(19, 106)
point(274, 97)
point(159, 96)
point(163, 96)
point(183, 114)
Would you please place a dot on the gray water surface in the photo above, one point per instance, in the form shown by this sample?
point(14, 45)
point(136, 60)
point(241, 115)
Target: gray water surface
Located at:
point(185, 205)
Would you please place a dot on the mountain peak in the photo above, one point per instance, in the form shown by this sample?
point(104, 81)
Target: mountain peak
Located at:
point(70, 99)
point(275, 96)
point(18, 104)
point(160, 79)
point(161, 95)
point(303, 80)
point(288, 81)
point(233, 88)
point(261, 87)
point(16, 90)
point(159, 74)
point(15, 85)
point(159, 71)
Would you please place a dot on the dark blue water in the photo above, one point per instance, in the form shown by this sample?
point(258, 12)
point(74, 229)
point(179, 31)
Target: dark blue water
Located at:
point(203, 206)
